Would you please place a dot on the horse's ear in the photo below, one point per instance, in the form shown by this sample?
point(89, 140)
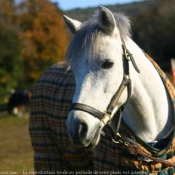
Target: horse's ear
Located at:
point(106, 20)
point(72, 25)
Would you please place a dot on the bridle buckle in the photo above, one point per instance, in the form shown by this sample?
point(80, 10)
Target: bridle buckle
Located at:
point(106, 117)
point(126, 53)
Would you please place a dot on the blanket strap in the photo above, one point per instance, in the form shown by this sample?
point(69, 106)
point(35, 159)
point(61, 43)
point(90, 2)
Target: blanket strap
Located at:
point(135, 149)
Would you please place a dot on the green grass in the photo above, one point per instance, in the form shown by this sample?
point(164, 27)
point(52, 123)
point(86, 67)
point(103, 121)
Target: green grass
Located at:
point(16, 153)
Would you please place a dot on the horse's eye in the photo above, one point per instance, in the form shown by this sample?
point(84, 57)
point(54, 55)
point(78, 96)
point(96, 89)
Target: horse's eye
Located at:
point(107, 64)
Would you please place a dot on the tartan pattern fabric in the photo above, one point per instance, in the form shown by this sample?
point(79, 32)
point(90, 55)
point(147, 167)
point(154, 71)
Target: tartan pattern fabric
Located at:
point(53, 150)
point(50, 104)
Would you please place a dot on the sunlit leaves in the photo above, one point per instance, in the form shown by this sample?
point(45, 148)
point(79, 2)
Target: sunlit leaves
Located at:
point(44, 31)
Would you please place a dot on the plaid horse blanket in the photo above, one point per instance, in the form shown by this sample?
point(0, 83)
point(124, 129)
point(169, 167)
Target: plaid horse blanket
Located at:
point(54, 151)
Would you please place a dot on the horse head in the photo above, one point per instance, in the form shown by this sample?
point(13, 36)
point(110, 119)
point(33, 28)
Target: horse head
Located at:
point(95, 55)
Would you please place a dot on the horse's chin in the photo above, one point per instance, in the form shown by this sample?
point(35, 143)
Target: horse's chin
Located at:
point(88, 143)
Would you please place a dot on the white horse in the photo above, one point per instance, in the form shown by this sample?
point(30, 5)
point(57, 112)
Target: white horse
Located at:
point(95, 55)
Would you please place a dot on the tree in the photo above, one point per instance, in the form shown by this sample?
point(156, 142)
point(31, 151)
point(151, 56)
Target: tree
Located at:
point(45, 35)
point(154, 32)
point(10, 49)
point(7, 10)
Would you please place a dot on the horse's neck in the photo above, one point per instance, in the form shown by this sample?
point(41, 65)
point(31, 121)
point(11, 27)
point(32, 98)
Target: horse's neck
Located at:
point(149, 111)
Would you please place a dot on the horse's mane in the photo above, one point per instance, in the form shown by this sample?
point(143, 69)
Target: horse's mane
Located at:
point(89, 31)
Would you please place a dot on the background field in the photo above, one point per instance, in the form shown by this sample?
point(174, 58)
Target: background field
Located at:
point(15, 148)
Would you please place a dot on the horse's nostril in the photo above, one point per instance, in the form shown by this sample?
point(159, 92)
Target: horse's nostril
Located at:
point(82, 130)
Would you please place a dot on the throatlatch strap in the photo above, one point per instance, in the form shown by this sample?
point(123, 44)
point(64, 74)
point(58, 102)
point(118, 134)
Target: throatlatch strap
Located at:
point(129, 56)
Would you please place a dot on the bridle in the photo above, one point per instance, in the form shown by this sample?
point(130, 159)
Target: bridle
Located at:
point(126, 82)
point(132, 145)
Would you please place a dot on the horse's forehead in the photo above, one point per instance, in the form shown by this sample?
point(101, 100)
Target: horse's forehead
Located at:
point(103, 45)
point(98, 47)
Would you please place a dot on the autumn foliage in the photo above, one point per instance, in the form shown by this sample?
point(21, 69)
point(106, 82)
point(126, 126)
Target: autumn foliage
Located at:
point(32, 38)
point(45, 36)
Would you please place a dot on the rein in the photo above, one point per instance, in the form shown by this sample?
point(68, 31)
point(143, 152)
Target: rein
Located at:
point(106, 116)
